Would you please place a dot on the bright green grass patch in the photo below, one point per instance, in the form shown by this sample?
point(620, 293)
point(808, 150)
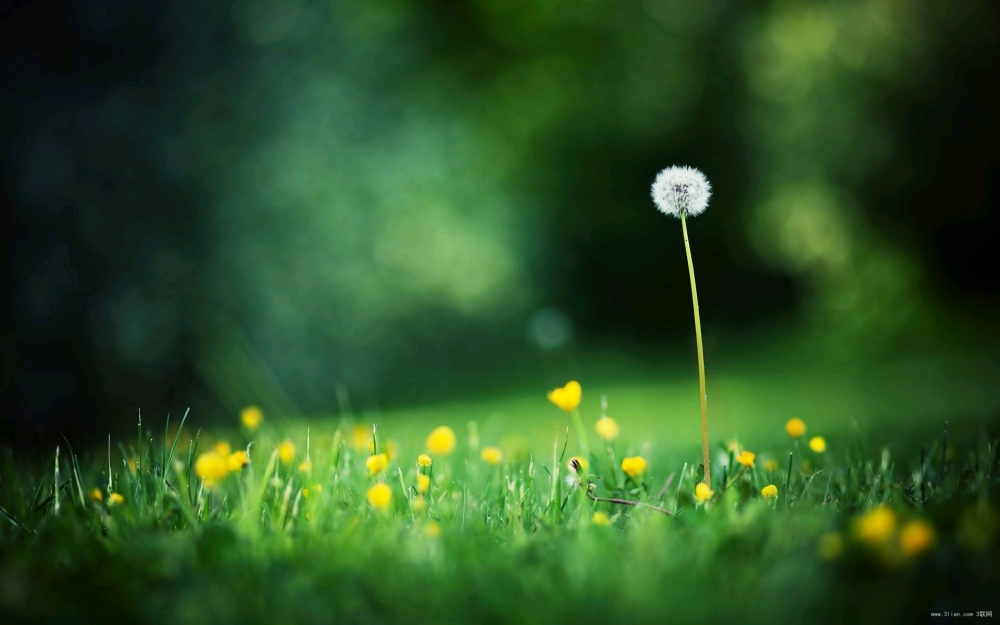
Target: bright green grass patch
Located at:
point(884, 525)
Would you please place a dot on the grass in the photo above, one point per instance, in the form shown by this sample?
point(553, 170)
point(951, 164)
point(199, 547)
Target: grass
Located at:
point(278, 542)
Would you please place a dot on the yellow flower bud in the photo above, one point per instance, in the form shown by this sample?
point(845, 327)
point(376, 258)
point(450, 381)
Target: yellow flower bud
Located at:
point(634, 466)
point(702, 492)
point(769, 492)
point(606, 428)
point(286, 451)
point(251, 417)
point(380, 496)
point(567, 397)
point(795, 427)
point(441, 441)
point(817, 444)
point(423, 483)
point(424, 460)
point(601, 518)
point(377, 464)
point(491, 455)
point(746, 459)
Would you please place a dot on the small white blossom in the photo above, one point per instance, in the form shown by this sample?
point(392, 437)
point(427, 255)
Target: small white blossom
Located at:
point(681, 191)
point(573, 481)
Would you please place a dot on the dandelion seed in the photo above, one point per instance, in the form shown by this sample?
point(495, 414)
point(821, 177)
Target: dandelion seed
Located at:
point(601, 519)
point(795, 427)
point(380, 496)
point(634, 466)
point(606, 428)
point(424, 460)
point(491, 455)
point(211, 466)
point(568, 397)
point(251, 417)
point(702, 492)
point(746, 459)
point(875, 526)
point(115, 499)
point(441, 441)
point(769, 492)
point(916, 537)
point(830, 545)
point(96, 495)
point(236, 460)
point(681, 191)
point(573, 481)
point(377, 464)
point(286, 451)
point(817, 444)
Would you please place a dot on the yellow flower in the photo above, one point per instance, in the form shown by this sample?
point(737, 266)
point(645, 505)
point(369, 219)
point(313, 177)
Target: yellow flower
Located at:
point(795, 427)
point(305, 493)
point(115, 499)
point(584, 463)
point(601, 518)
point(771, 465)
point(306, 466)
point(423, 483)
point(380, 496)
point(830, 545)
point(567, 397)
point(916, 537)
point(491, 455)
point(875, 526)
point(211, 466)
point(236, 460)
point(286, 451)
point(318, 488)
point(432, 529)
point(746, 459)
point(251, 417)
point(769, 492)
point(361, 438)
point(223, 449)
point(377, 464)
point(817, 444)
point(424, 460)
point(441, 441)
point(391, 449)
point(96, 495)
point(607, 428)
point(418, 504)
point(634, 466)
point(702, 492)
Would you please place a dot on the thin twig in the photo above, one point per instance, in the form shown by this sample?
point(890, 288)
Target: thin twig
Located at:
point(625, 502)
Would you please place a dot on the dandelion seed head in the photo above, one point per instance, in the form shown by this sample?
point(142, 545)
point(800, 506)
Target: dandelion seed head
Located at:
point(573, 481)
point(681, 191)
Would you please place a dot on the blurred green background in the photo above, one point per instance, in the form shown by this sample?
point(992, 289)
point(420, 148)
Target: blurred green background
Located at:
point(322, 206)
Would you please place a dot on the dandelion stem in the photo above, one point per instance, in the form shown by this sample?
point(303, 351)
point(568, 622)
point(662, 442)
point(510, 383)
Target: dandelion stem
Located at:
point(625, 502)
point(701, 356)
point(581, 433)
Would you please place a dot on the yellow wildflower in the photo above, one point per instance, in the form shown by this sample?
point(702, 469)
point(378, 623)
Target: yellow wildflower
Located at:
point(769, 492)
point(391, 449)
point(223, 449)
point(491, 455)
point(916, 537)
point(830, 545)
point(115, 499)
point(702, 492)
point(361, 437)
point(424, 460)
point(380, 496)
point(377, 464)
point(607, 428)
point(236, 460)
point(817, 444)
point(583, 462)
point(634, 466)
point(771, 465)
point(286, 451)
point(601, 518)
point(441, 441)
point(567, 397)
point(96, 495)
point(875, 526)
point(418, 504)
point(251, 417)
point(432, 529)
point(795, 427)
point(318, 488)
point(423, 483)
point(211, 466)
point(746, 459)
point(306, 466)
point(305, 493)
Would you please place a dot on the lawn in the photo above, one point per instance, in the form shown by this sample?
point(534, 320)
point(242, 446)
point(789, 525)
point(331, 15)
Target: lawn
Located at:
point(892, 521)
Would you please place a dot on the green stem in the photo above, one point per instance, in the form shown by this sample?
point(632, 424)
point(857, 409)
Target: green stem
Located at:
point(701, 357)
point(581, 433)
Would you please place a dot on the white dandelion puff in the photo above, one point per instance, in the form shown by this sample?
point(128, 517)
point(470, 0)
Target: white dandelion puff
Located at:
point(681, 191)
point(573, 481)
